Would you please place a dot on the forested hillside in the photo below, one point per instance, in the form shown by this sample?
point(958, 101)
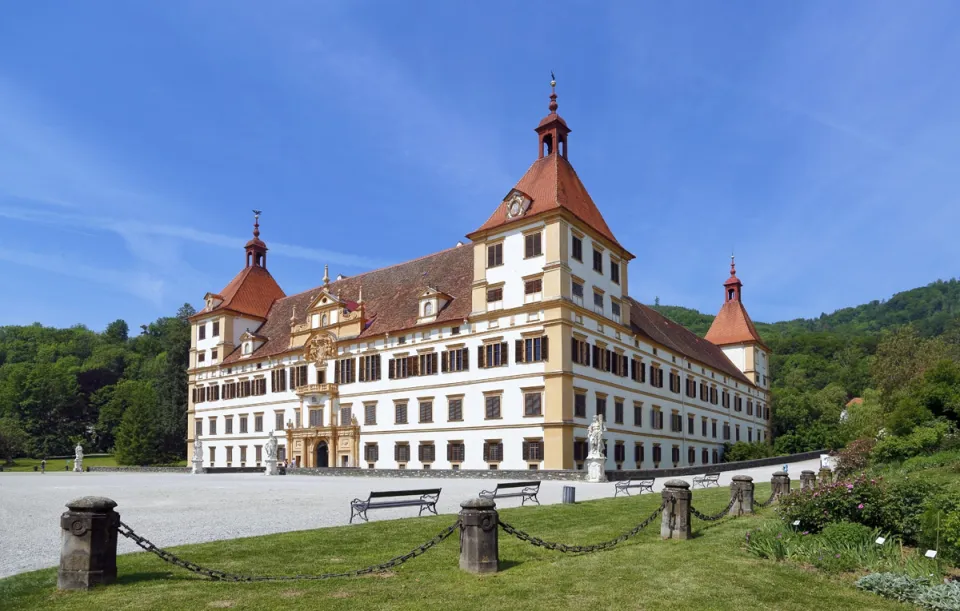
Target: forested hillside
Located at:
point(108, 391)
point(900, 355)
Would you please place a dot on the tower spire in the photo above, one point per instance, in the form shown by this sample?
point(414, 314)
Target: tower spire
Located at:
point(553, 94)
point(256, 249)
point(552, 131)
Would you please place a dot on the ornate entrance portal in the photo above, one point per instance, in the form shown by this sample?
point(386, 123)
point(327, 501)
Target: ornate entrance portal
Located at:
point(323, 455)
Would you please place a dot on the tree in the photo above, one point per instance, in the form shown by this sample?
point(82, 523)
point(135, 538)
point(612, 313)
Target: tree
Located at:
point(139, 438)
point(117, 332)
point(13, 439)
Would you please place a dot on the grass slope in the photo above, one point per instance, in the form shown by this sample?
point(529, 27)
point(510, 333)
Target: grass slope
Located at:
point(711, 571)
point(57, 464)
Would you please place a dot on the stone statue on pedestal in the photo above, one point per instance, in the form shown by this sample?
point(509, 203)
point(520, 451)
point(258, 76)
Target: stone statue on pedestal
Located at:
point(197, 456)
point(596, 460)
point(78, 459)
point(271, 449)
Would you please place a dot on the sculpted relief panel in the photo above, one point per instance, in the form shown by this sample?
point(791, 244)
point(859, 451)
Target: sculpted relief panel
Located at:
point(320, 348)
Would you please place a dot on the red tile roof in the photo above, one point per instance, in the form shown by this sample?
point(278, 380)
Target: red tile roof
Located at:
point(660, 329)
point(733, 326)
point(390, 298)
point(251, 292)
point(551, 183)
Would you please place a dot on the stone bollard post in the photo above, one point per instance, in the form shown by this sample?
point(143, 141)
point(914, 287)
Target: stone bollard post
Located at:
point(826, 476)
point(479, 526)
point(808, 480)
point(741, 485)
point(88, 552)
point(780, 484)
point(675, 519)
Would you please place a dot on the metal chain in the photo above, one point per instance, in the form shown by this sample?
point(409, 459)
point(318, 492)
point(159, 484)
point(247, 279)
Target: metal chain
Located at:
point(716, 516)
point(216, 575)
point(768, 502)
point(581, 549)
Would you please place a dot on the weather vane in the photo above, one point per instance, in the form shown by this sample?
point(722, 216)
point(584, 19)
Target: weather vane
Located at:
point(257, 213)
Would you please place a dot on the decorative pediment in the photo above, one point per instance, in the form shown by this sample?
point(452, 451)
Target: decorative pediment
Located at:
point(250, 342)
point(431, 302)
point(320, 348)
point(324, 300)
point(212, 300)
point(516, 203)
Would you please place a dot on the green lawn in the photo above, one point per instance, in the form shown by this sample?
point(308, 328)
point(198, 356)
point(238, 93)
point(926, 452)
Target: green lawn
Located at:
point(57, 464)
point(711, 571)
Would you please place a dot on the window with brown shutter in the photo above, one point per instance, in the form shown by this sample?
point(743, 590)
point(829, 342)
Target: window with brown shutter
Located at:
point(619, 452)
point(426, 411)
point(401, 452)
point(581, 351)
point(532, 245)
point(278, 380)
point(202, 331)
point(597, 359)
point(531, 287)
point(495, 255)
point(370, 413)
point(371, 452)
point(370, 368)
point(638, 454)
point(580, 405)
point(532, 404)
point(494, 295)
point(532, 450)
point(492, 355)
point(455, 410)
point(637, 414)
point(243, 424)
point(427, 452)
point(657, 454)
point(675, 455)
point(400, 413)
point(456, 452)
point(455, 360)
point(344, 371)
point(493, 450)
point(618, 412)
point(602, 407)
point(492, 404)
point(692, 455)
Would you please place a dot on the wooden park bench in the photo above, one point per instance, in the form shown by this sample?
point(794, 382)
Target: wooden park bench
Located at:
point(426, 499)
point(625, 486)
point(707, 480)
point(528, 492)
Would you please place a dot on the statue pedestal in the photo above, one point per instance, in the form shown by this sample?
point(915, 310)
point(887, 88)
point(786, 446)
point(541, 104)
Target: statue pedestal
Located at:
point(197, 466)
point(271, 467)
point(596, 469)
point(78, 465)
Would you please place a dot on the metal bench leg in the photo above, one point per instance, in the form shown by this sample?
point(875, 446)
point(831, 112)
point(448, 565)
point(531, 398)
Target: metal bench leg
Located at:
point(536, 500)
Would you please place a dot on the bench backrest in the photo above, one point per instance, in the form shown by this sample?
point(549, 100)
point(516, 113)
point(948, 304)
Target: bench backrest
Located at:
point(380, 495)
point(519, 484)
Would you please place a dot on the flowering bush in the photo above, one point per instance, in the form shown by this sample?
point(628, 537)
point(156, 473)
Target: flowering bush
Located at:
point(855, 457)
point(864, 501)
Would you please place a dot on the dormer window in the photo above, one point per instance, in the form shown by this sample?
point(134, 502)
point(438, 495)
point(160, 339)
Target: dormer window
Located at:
point(427, 309)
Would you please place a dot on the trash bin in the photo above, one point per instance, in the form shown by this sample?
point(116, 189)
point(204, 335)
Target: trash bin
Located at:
point(569, 494)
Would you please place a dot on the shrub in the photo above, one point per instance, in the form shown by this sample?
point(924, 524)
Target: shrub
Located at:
point(945, 597)
point(861, 500)
point(939, 527)
point(922, 440)
point(746, 451)
point(848, 534)
point(920, 591)
point(855, 457)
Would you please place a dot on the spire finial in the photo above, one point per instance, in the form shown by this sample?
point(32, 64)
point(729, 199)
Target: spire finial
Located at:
point(360, 296)
point(256, 223)
point(553, 93)
point(733, 266)
point(293, 316)
point(326, 275)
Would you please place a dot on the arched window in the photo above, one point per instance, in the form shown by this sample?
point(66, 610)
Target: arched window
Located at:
point(730, 294)
point(428, 309)
point(547, 145)
point(323, 320)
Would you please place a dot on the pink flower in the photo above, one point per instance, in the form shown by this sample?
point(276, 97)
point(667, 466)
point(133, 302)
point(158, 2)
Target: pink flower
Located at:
point(849, 486)
point(860, 506)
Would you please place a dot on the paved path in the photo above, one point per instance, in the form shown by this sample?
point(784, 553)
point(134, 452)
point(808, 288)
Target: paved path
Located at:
point(173, 509)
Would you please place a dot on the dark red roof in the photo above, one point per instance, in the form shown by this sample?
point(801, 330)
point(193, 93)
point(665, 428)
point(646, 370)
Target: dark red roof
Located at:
point(661, 330)
point(251, 292)
point(391, 298)
point(733, 326)
point(551, 183)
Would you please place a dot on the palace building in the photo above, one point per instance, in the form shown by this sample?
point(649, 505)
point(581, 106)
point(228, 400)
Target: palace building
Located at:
point(494, 354)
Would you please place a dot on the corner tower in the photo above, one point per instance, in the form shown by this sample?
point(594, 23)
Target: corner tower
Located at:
point(734, 332)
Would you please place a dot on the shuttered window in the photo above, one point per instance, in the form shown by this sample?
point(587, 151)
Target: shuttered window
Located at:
point(533, 245)
point(400, 412)
point(580, 405)
point(492, 403)
point(455, 410)
point(492, 355)
point(401, 452)
point(533, 450)
point(426, 411)
point(532, 404)
point(495, 255)
point(456, 452)
point(370, 413)
point(493, 450)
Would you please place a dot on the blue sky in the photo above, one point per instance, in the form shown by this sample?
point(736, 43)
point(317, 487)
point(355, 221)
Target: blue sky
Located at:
point(818, 139)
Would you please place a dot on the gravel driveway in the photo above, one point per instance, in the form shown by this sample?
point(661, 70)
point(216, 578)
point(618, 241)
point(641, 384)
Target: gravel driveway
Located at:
point(173, 509)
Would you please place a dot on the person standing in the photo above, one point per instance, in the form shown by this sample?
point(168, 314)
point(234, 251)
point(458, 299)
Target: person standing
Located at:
point(43, 465)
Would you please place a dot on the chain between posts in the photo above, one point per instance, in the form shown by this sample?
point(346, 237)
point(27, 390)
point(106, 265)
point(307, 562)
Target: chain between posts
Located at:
point(581, 549)
point(768, 502)
point(216, 575)
point(722, 513)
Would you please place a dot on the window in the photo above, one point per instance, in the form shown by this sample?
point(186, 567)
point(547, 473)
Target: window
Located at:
point(493, 450)
point(532, 404)
point(737, 430)
point(243, 455)
point(212, 429)
point(615, 272)
point(278, 380)
point(656, 418)
point(401, 452)
point(726, 431)
point(638, 414)
point(615, 310)
point(201, 357)
point(455, 360)
point(637, 371)
point(749, 435)
point(713, 395)
point(657, 454)
point(229, 455)
point(316, 417)
point(532, 245)
point(346, 416)
point(675, 455)
point(495, 255)
point(690, 425)
point(692, 455)
point(532, 290)
point(531, 350)
point(403, 367)
point(369, 413)
point(454, 409)
point(738, 403)
point(638, 454)
point(618, 412)
point(213, 354)
point(674, 382)
point(656, 376)
point(725, 399)
point(580, 405)
point(426, 411)
point(456, 452)
point(691, 388)
point(579, 450)
point(619, 452)
point(602, 407)
point(278, 421)
point(243, 424)
point(676, 423)
point(533, 450)
point(371, 452)
point(597, 261)
point(400, 413)
point(581, 351)
point(705, 456)
point(577, 290)
point(427, 364)
point(427, 452)
point(197, 428)
point(370, 368)
point(202, 331)
point(343, 371)
point(216, 328)
point(495, 298)
point(259, 387)
point(492, 404)
point(577, 249)
point(703, 427)
point(598, 303)
point(298, 376)
point(704, 392)
point(228, 425)
point(492, 355)
point(428, 309)
point(713, 429)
